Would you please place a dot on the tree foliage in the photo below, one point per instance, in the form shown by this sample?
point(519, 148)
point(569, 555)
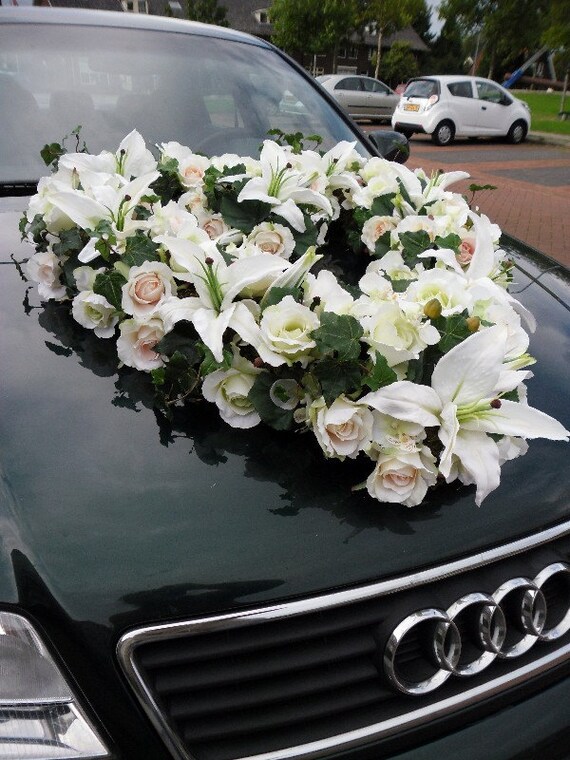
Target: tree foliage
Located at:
point(206, 11)
point(399, 64)
point(387, 17)
point(312, 26)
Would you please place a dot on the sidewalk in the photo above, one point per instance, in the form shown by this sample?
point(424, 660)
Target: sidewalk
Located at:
point(532, 199)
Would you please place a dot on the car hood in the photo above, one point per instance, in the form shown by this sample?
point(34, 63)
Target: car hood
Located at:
point(117, 517)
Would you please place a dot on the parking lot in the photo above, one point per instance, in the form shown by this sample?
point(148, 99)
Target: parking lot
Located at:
point(532, 199)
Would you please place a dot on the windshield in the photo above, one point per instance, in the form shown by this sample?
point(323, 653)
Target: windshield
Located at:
point(214, 95)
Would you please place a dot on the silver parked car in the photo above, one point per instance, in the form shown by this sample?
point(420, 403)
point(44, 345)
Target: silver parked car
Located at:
point(363, 97)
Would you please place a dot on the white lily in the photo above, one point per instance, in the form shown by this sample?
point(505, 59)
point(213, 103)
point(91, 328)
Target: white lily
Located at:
point(464, 402)
point(283, 187)
point(217, 285)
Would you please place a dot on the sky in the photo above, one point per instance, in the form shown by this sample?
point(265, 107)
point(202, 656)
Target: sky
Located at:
point(436, 24)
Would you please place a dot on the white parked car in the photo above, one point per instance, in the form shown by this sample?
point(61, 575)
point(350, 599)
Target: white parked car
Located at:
point(447, 107)
point(363, 97)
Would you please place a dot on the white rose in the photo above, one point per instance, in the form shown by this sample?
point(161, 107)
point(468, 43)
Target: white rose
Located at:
point(45, 269)
point(343, 429)
point(273, 238)
point(332, 296)
point(397, 334)
point(95, 313)
point(147, 288)
point(374, 228)
point(191, 167)
point(286, 329)
point(136, 343)
point(229, 390)
point(446, 286)
point(85, 277)
point(402, 477)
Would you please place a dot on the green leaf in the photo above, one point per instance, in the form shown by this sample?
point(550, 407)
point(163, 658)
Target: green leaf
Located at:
point(400, 285)
point(182, 339)
point(109, 284)
point(340, 334)
point(380, 374)
point(270, 413)
point(275, 295)
point(452, 241)
point(383, 245)
point(70, 242)
point(383, 205)
point(306, 239)
point(413, 244)
point(453, 330)
point(337, 377)
point(139, 248)
point(173, 382)
point(51, 153)
point(210, 364)
point(244, 216)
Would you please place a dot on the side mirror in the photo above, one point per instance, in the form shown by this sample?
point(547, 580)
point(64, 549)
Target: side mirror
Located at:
point(393, 146)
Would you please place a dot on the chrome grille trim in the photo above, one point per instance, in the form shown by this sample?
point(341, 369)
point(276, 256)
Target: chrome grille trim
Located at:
point(128, 643)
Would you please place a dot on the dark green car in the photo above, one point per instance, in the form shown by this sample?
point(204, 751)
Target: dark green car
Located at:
point(182, 589)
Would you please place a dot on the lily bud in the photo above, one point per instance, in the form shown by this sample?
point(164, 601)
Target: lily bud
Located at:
point(473, 324)
point(432, 309)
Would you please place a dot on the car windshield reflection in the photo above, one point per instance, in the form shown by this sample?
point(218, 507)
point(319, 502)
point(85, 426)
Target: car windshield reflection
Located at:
point(214, 95)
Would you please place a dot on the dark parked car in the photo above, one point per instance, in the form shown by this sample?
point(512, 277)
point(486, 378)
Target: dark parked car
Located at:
point(177, 588)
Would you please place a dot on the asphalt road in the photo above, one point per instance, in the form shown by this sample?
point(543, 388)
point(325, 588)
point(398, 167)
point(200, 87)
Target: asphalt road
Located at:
point(532, 199)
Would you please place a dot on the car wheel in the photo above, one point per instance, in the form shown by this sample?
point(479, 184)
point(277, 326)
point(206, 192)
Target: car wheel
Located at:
point(517, 133)
point(444, 133)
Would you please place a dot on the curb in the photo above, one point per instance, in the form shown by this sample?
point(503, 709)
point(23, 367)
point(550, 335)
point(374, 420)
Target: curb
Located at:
point(546, 138)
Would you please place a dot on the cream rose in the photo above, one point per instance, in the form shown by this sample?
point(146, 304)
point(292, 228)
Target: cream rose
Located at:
point(273, 238)
point(137, 341)
point(402, 477)
point(94, 312)
point(343, 429)
point(229, 389)
point(374, 228)
point(147, 288)
point(45, 269)
point(286, 329)
point(398, 334)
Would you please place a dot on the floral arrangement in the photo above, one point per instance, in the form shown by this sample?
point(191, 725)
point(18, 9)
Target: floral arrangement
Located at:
point(345, 296)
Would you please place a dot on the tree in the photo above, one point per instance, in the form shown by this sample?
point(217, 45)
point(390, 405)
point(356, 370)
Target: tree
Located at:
point(206, 11)
point(399, 64)
point(312, 26)
point(503, 28)
point(387, 17)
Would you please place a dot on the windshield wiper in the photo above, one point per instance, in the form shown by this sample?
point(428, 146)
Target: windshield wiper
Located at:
point(18, 188)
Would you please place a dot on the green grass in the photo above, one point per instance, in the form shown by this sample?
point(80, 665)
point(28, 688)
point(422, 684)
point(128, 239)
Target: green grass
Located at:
point(544, 109)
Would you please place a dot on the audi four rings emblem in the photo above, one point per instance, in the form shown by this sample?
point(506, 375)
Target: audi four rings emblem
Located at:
point(490, 630)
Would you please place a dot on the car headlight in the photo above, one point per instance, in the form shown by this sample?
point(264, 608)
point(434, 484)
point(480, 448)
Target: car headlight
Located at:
point(39, 715)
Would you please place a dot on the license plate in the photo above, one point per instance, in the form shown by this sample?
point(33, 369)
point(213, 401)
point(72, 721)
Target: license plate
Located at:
point(411, 107)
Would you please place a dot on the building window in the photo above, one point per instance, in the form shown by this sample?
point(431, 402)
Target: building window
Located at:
point(135, 6)
point(262, 16)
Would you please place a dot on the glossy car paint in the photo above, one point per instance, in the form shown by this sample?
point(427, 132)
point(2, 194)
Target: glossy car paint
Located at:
point(112, 518)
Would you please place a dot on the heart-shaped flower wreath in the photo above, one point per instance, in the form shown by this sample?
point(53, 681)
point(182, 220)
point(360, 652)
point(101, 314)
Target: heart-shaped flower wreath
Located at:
point(222, 276)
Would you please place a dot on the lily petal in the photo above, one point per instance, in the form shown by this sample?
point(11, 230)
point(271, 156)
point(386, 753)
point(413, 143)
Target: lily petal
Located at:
point(517, 419)
point(406, 401)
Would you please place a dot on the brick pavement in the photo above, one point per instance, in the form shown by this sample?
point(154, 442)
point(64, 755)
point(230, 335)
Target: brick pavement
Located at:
point(531, 204)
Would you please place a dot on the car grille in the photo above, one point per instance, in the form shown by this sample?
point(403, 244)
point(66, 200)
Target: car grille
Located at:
point(309, 677)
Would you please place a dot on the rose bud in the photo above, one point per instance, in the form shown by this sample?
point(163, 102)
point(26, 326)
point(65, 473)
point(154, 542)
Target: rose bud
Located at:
point(432, 309)
point(473, 324)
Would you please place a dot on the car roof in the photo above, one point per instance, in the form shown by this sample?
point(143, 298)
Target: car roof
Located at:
point(82, 16)
point(452, 78)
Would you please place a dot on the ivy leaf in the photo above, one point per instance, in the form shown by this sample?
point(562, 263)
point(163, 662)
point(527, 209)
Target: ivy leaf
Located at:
point(453, 330)
point(270, 413)
point(139, 248)
point(246, 215)
point(383, 205)
point(400, 285)
point(337, 377)
point(380, 374)
point(176, 380)
point(413, 244)
point(306, 239)
point(339, 333)
point(70, 241)
point(109, 284)
point(51, 153)
point(382, 245)
point(452, 241)
point(182, 339)
point(275, 295)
